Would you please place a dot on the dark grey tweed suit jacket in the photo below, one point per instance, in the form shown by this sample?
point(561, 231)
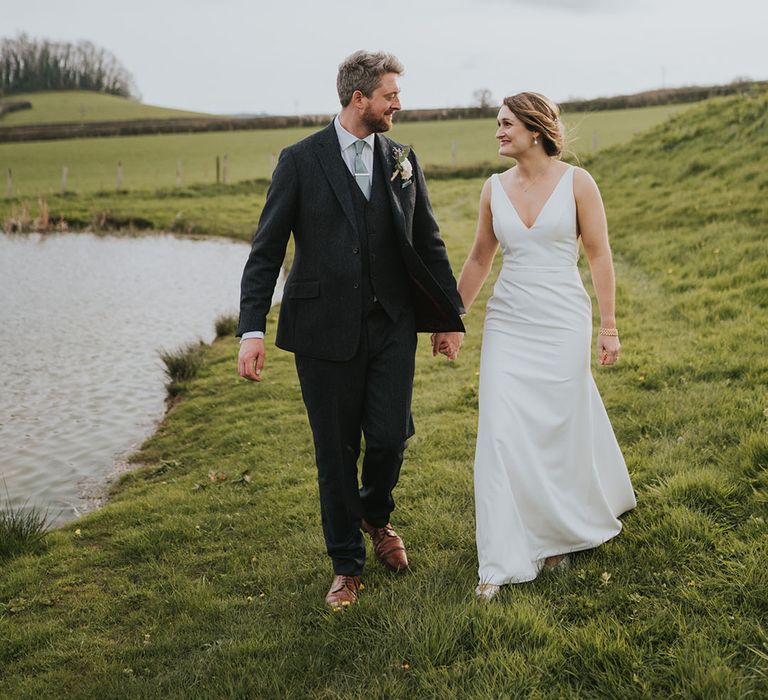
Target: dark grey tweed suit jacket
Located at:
point(321, 313)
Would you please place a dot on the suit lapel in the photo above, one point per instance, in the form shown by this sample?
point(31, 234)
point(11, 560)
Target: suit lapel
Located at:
point(329, 155)
point(387, 158)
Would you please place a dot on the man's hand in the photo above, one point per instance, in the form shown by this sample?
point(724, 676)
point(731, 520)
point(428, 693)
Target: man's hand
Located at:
point(250, 361)
point(447, 344)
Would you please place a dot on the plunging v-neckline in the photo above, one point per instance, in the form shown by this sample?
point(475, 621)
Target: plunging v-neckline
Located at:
point(543, 206)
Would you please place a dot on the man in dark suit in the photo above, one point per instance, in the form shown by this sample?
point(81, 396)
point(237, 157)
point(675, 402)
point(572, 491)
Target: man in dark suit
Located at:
point(370, 271)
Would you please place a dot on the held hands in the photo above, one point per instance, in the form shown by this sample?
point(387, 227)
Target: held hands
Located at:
point(250, 360)
point(608, 349)
point(447, 344)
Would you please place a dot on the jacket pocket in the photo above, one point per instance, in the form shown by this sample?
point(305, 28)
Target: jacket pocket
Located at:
point(308, 289)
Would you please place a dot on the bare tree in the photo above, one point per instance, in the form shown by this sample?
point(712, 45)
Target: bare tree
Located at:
point(483, 98)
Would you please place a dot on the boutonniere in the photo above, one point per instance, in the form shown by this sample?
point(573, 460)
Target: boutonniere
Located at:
point(403, 166)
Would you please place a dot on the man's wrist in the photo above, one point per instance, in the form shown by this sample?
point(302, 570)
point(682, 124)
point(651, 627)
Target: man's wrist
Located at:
point(250, 335)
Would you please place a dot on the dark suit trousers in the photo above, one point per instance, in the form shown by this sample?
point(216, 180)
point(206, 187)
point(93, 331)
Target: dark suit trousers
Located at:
point(369, 394)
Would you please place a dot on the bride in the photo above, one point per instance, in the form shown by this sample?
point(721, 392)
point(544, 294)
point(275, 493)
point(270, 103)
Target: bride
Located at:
point(549, 475)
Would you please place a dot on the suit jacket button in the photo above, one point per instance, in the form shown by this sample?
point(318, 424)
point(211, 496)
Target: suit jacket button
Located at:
point(355, 250)
point(355, 285)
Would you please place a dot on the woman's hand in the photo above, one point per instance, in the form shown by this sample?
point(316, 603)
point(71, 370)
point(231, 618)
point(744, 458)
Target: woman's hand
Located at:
point(608, 347)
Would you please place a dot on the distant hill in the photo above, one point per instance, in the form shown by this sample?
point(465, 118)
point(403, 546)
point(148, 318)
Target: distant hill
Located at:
point(67, 115)
point(664, 96)
point(83, 106)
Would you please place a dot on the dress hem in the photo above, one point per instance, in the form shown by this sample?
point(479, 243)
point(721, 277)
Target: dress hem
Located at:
point(540, 566)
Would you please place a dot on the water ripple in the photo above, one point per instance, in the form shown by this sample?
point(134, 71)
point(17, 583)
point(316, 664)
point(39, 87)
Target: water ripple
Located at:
point(82, 319)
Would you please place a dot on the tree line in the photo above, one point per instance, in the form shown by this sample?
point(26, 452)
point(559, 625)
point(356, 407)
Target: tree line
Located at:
point(665, 96)
point(33, 65)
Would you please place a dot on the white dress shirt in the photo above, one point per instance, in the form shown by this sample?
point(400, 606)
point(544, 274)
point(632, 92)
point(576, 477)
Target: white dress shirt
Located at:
point(347, 144)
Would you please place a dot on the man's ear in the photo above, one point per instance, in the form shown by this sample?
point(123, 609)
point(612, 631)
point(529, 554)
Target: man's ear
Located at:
point(358, 99)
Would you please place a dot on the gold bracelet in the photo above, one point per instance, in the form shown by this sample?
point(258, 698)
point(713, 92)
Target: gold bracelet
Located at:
point(613, 332)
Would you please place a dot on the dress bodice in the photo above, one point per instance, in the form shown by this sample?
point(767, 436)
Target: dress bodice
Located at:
point(552, 240)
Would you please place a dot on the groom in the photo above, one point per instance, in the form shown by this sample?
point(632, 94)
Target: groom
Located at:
point(370, 270)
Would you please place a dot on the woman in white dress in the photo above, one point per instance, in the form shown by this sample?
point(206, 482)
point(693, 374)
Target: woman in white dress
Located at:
point(550, 478)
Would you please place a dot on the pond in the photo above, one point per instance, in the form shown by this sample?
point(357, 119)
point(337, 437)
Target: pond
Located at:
point(82, 321)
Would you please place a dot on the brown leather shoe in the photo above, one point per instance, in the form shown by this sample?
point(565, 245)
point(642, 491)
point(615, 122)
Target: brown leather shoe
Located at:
point(344, 591)
point(388, 546)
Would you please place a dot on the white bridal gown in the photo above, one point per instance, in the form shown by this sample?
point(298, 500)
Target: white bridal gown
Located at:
point(549, 475)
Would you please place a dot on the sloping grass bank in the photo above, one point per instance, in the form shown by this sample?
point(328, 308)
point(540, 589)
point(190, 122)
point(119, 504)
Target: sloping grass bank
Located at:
point(204, 576)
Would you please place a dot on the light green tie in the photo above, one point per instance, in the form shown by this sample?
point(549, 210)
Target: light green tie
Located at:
point(362, 176)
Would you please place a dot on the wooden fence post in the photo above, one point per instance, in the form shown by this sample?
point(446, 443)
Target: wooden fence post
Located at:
point(178, 173)
point(453, 153)
point(64, 174)
point(119, 182)
point(9, 184)
point(218, 170)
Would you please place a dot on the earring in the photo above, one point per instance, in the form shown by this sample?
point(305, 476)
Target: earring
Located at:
point(535, 141)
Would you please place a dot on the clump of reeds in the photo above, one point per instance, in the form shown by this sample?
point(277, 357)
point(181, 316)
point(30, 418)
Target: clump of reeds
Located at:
point(43, 220)
point(22, 528)
point(225, 325)
point(182, 365)
point(20, 219)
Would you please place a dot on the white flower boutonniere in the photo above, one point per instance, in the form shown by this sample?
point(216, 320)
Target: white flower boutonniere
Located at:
point(403, 166)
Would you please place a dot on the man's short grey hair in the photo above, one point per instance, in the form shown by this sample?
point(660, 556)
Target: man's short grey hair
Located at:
point(363, 71)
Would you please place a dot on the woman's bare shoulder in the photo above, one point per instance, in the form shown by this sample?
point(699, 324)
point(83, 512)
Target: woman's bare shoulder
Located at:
point(583, 182)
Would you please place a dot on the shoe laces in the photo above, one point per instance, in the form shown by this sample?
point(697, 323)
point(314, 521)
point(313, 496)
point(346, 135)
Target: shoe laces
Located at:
point(350, 583)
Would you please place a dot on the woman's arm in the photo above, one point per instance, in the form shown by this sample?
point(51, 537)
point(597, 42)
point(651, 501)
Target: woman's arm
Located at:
point(593, 229)
point(473, 274)
point(480, 258)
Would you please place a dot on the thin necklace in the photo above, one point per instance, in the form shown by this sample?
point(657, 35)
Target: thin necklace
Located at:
point(533, 182)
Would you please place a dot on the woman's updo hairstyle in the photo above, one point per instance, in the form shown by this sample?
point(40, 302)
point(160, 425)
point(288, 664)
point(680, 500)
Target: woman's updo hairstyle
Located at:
point(539, 113)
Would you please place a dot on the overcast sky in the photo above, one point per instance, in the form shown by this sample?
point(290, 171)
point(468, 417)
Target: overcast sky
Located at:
point(280, 56)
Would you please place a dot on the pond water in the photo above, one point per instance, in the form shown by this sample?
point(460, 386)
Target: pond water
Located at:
point(82, 321)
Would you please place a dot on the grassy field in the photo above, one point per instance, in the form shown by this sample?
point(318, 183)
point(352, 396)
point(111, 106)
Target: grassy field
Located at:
point(150, 162)
point(196, 581)
point(85, 106)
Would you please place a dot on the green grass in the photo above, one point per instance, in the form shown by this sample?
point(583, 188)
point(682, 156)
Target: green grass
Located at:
point(204, 576)
point(150, 162)
point(85, 106)
point(475, 138)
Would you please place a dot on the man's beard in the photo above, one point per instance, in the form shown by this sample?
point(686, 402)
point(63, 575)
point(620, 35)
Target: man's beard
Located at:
point(375, 124)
